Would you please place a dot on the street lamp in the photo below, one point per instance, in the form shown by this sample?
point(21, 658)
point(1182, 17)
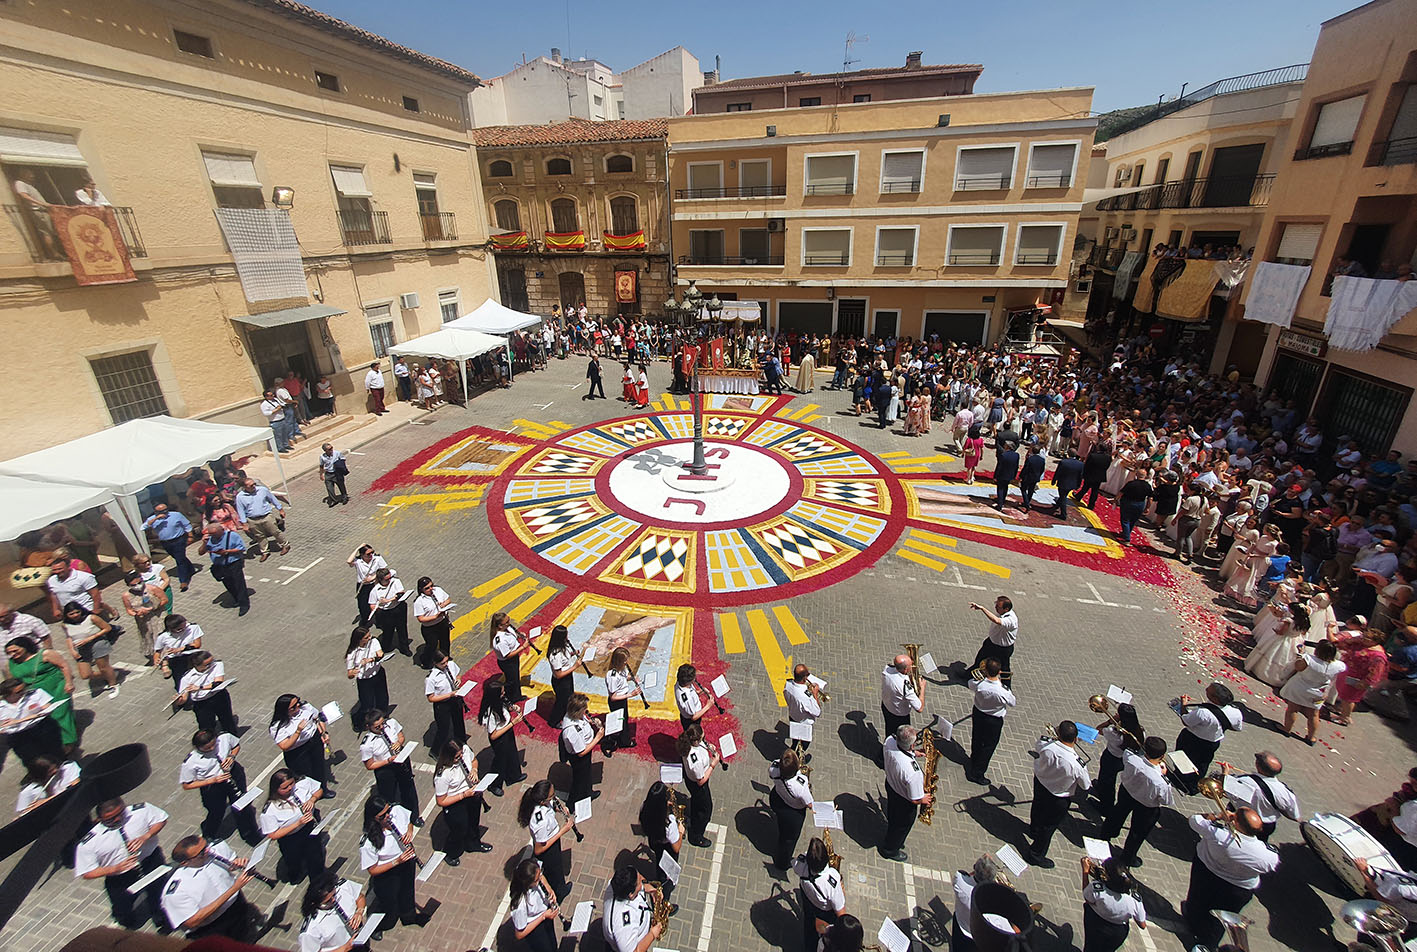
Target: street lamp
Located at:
point(693, 303)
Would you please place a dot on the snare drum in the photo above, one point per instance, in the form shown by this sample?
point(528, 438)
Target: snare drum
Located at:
point(1338, 841)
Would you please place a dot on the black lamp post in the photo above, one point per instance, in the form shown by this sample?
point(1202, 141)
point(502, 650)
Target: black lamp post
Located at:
point(694, 306)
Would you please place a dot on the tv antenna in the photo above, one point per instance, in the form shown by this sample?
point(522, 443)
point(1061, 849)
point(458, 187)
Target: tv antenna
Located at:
point(852, 39)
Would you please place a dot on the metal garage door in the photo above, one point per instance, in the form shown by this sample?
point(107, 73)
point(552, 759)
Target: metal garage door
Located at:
point(961, 327)
point(804, 317)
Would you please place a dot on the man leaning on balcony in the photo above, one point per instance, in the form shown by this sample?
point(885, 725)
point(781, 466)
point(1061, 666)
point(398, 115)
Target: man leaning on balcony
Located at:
point(37, 207)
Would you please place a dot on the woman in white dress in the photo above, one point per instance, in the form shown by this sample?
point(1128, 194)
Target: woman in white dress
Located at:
point(1306, 690)
point(893, 410)
point(1323, 623)
point(1267, 619)
point(1276, 651)
point(1119, 472)
point(1247, 533)
point(1242, 584)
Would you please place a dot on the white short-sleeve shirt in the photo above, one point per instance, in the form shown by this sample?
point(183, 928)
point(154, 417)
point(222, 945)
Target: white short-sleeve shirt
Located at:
point(544, 824)
point(108, 846)
point(452, 780)
point(686, 696)
point(326, 931)
point(379, 745)
point(278, 814)
point(442, 680)
point(303, 726)
point(903, 771)
point(198, 685)
point(531, 904)
point(189, 889)
point(626, 921)
point(204, 766)
point(392, 846)
point(505, 642)
point(362, 659)
point(32, 793)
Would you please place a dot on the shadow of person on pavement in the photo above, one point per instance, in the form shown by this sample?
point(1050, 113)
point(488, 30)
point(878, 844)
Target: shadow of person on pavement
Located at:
point(862, 818)
point(776, 920)
point(757, 825)
point(1297, 912)
point(1006, 825)
point(861, 737)
point(769, 743)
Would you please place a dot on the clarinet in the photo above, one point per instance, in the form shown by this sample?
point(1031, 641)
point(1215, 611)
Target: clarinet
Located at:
point(636, 678)
point(713, 749)
point(564, 810)
point(228, 865)
point(467, 776)
point(716, 703)
point(339, 911)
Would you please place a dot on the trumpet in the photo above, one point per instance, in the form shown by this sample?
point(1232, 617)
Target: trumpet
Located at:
point(1214, 788)
point(565, 811)
point(1099, 704)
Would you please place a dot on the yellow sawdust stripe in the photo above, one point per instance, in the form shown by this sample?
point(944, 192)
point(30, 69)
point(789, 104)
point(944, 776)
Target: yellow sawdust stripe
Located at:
point(528, 608)
point(732, 634)
point(774, 663)
point(483, 613)
point(491, 585)
point(896, 454)
point(977, 564)
point(931, 537)
point(803, 410)
point(790, 627)
point(918, 559)
point(926, 547)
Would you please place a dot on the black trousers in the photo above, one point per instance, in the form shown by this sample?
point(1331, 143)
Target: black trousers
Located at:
point(394, 892)
point(811, 915)
point(1105, 786)
point(553, 867)
point(393, 628)
point(361, 600)
point(373, 691)
point(506, 759)
point(512, 674)
point(1201, 752)
point(437, 637)
point(303, 853)
point(395, 784)
point(542, 938)
point(308, 759)
point(42, 739)
point(1208, 891)
point(464, 820)
point(661, 847)
point(1026, 491)
point(123, 904)
point(1099, 935)
point(893, 721)
point(1090, 487)
point(626, 736)
point(1002, 653)
point(1001, 493)
point(1045, 816)
point(789, 828)
point(448, 722)
point(235, 923)
point(596, 384)
point(1143, 822)
point(900, 818)
point(581, 786)
point(983, 740)
point(700, 809)
point(562, 688)
point(217, 797)
point(177, 548)
point(959, 942)
point(233, 579)
point(213, 709)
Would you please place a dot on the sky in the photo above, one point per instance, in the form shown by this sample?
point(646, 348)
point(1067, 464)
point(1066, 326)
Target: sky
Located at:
point(1131, 52)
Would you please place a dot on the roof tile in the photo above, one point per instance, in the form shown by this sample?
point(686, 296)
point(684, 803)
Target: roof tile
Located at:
point(792, 79)
point(571, 131)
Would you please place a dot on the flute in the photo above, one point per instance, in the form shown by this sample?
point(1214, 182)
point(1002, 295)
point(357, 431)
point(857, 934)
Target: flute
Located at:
point(565, 811)
point(231, 866)
point(716, 703)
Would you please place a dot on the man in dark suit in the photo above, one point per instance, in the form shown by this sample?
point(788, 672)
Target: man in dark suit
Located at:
point(1005, 469)
point(1094, 474)
point(1031, 473)
point(1066, 479)
point(592, 373)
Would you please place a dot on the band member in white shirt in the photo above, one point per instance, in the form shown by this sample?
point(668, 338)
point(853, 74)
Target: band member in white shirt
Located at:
point(449, 711)
point(899, 693)
point(299, 730)
point(688, 695)
point(334, 911)
point(1144, 791)
point(366, 563)
point(176, 646)
point(534, 907)
point(620, 686)
point(508, 645)
point(361, 663)
point(1126, 734)
point(500, 720)
point(389, 604)
point(219, 779)
point(25, 721)
point(579, 735)
point(700, 760)
point(1226, 871)
point(1263, 792)
point(121, 849)
point(1109, 905)
point(1204, 727)
point(542, 814)
point(288, 817)
point(823, 899)
point(628, 906)
point(386, 852)
point(905, 792)
point(430, 607)
point(1003, 635)
point(562, 657)
point(45, 779)
point(203, 895)
point(985, 870)
point(455, 776)
point(201, 687)
point(804, 705)
point(379, 747)
point(790, 799)
point(991, 702)
point(1058, 775)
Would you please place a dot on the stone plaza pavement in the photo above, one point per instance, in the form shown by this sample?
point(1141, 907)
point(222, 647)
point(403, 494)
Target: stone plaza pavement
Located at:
point(1081, 630)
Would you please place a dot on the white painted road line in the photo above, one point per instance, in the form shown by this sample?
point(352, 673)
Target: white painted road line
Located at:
point(720, 833)
point(296, 573)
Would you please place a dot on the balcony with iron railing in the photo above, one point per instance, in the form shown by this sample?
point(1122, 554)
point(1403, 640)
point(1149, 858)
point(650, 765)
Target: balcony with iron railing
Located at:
point(1048, 180)
point(36, 225)
point(978, 259)
point(898, 260)
point(1234, 84)
point(748, 261)
point(828, 188)
point(995, 181)
point(1039, 258)
point(439, 226)
point(826, 258)
point(1225, 191)
point(363, 228)
point(1399, 151)
point(900, 185)
point(1323, 151)
point(737, 191)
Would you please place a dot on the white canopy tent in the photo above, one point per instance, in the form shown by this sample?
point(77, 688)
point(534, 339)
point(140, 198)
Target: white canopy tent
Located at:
point(125, 459)
point(27, 504)
point(493, 318)
point(451, 343)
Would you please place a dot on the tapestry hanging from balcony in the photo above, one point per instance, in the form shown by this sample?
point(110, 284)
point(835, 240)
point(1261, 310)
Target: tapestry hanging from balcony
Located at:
point(266, 252)
point(625, 287)
point(565, 240)
point(634, 241)
point(93, 244)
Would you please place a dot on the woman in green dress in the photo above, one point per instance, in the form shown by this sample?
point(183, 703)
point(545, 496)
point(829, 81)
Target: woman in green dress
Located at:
point(46, 668)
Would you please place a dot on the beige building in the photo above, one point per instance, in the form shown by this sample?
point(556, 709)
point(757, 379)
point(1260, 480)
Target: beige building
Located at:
point(1347, 189)
point(913, 217)
point(1200, 172)
point(189, 116)
point(914, 80)
point(573, 205)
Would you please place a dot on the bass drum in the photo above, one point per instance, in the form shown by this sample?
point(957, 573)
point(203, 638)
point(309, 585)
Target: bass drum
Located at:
point(1338, 841)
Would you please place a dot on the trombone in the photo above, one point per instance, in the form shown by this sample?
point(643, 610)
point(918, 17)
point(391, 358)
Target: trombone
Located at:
point(1100, 704)
point(1050, 734)
point(1214, 788)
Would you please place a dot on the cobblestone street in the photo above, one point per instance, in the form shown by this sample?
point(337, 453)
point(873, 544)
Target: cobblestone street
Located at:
point(1081, 630)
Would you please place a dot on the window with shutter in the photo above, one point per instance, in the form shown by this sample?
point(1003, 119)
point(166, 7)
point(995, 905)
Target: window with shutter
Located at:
point(234, 180)
point(830, 175)
point(1051, 166)
point(705, 179)
point(1038, 244)
point(706, 246)
point(1298, 243)
point(509, 216)
point(563, 216)
point(349, 182)
point(1401, 145)
point(976, 245)
point(624, 215)
point(755, 177)
point(754, 245)
point(1335, 126)
point(986, 167)
point(895, 247)
point(902, 171)
point(25, 147)
point(426, 191)
point(826, 247)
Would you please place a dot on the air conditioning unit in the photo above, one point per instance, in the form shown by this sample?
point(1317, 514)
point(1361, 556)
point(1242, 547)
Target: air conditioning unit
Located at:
point(777, 224)
point(1129, 234)
point(408, 301)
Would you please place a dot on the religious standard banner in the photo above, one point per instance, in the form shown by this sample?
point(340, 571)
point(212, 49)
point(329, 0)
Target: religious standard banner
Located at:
point(634, 241)
point(716, 348)
point(565, 240)
point(93, 243)
point(625, 286)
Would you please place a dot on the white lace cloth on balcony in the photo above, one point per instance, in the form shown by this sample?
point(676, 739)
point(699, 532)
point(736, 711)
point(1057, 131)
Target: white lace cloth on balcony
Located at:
point(1274, 292)
point(1362, 310)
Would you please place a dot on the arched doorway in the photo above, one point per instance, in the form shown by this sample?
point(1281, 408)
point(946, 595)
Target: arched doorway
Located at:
point(572, 290)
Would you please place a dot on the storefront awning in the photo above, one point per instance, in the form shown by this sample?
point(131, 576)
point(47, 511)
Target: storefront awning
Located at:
point(290, 315)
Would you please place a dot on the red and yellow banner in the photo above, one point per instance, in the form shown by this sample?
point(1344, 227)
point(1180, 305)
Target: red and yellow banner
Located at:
point(625, 286)
point(93, 243)
point(512, 241)
point(635, 241)
point(565, 240)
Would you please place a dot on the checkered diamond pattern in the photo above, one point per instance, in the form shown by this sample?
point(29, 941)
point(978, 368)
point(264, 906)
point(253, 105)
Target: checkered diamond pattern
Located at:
point(724, 426)
point(549, 520)
point(658, 556)
point(851, 492)
point(636, 431)
point(796, 546)
point(805, 445)
point(563, 463)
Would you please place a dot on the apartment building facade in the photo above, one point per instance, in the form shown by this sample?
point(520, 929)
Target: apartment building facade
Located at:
point(555, 88)
point(579, 214)
point(1346, 192)
point(1200, 172)
point(912, 217)
point(290, 192)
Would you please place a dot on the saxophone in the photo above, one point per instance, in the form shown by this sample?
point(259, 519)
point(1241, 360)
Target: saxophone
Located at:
point(659, 910)
point(925, 743)
point(833, 857)
point(679, 804)
point(913, 650)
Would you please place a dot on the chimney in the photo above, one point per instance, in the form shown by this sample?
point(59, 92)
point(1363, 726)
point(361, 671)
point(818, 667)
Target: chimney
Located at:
point(710, 77)
point(555, 55)
point(912, 60)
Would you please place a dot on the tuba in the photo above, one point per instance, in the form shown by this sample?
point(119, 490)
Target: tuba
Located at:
point(925, 744)
point(833, 857)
